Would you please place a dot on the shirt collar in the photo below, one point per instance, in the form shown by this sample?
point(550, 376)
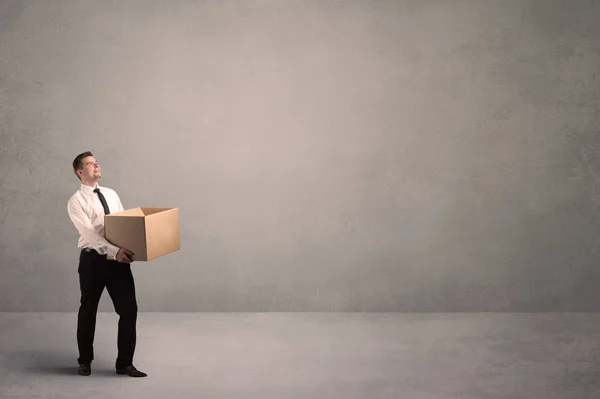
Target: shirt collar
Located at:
point(87, 189)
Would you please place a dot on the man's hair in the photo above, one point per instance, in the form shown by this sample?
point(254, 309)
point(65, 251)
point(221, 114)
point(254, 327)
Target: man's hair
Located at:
point(78, 162)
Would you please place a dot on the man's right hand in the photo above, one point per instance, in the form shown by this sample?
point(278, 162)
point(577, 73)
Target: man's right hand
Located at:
point(124, 256)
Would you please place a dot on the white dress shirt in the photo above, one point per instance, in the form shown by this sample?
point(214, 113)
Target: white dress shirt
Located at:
point(87, 214)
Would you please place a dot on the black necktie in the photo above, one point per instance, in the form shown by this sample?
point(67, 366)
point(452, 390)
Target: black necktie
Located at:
point(103, 200)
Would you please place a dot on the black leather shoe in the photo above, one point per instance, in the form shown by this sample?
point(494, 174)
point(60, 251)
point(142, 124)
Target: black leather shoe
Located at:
point(84, 369)
point(131, 371)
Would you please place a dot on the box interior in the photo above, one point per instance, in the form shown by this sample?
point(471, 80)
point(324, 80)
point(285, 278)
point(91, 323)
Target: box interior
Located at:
point(130, 212)
point(148, 210)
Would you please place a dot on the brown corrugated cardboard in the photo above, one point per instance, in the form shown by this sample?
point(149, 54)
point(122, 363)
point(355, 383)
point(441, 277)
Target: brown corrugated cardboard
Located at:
point(148, 232)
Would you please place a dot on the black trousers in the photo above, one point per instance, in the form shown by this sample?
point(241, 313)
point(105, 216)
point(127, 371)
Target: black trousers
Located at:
point(95, 273)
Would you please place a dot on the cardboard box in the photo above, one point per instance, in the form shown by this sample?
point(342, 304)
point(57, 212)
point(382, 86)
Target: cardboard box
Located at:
point(148, 232)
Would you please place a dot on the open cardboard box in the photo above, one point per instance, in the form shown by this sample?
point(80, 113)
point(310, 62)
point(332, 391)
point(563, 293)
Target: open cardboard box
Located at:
point(148, 232)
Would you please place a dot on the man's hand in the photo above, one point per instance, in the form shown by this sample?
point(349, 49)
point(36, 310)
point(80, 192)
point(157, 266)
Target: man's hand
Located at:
point(124, 256)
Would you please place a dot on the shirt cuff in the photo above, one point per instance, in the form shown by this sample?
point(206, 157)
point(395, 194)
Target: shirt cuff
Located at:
point(111, 251)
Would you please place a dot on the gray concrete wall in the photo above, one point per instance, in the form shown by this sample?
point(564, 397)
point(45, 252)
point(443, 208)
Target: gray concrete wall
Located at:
point(325, 155)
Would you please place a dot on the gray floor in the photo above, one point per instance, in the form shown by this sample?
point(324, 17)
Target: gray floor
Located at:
point(310, 355)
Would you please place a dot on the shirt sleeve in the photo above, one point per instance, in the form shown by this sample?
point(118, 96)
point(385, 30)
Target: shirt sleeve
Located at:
point(86, 229)
point(121, 209)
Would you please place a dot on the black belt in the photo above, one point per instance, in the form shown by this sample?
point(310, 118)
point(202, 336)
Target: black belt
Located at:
point(95, 253)
point(92, 250)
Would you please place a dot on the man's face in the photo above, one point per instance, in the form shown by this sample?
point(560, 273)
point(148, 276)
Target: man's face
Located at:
point(91, 169)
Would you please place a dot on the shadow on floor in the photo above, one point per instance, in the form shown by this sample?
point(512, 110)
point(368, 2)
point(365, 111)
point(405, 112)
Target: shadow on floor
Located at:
point(49, 363)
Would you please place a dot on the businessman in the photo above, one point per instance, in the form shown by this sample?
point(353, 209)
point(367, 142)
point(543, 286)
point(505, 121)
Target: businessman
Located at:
point(101, 265)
